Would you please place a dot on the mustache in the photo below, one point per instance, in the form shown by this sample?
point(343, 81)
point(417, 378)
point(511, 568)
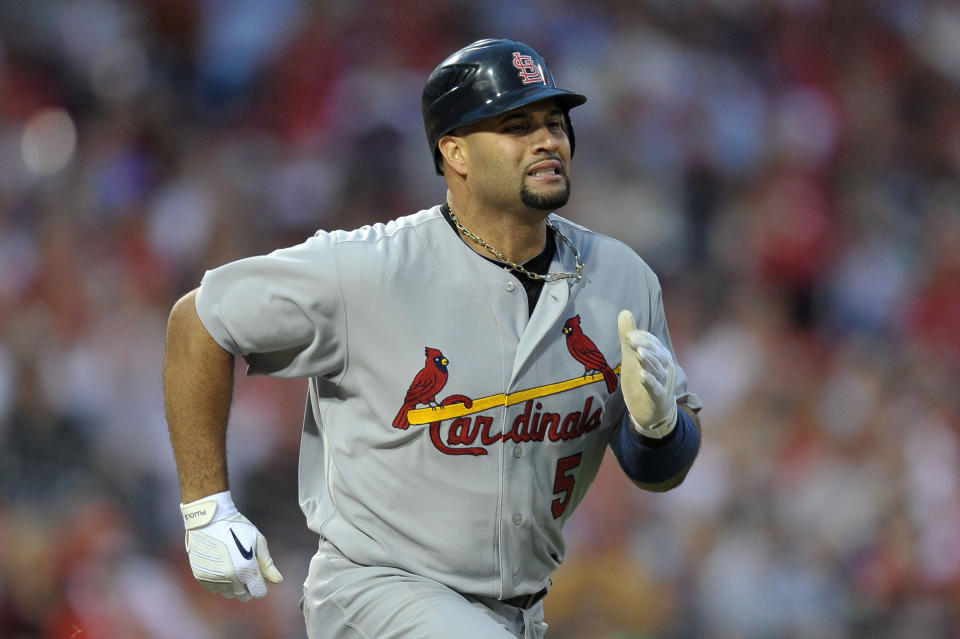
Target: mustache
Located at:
point(548, 158)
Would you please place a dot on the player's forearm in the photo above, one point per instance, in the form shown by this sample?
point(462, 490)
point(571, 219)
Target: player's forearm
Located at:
point(198, 386)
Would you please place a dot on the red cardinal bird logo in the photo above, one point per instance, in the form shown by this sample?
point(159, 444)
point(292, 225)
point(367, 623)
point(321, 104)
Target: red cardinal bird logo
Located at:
point(586, 352)
point(428, 382)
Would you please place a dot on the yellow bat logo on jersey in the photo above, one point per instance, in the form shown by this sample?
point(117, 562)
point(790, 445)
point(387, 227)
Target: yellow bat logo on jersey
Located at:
point(422, 416)
point(531, 425)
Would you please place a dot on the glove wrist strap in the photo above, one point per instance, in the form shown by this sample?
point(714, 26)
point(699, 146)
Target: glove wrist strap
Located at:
point(658, 430)
point(207, 510)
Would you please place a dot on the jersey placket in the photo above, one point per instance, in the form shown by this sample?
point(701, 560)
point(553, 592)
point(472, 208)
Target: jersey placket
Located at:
point(518, 478)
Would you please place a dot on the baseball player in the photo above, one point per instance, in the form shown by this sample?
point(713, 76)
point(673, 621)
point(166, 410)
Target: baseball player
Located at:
point(468, 366)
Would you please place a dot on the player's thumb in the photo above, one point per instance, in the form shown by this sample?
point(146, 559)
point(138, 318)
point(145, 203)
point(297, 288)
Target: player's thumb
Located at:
point(270, 572)
point(635, 396)
point(626, 324)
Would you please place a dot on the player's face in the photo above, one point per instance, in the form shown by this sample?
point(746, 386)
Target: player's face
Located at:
point(525, 154)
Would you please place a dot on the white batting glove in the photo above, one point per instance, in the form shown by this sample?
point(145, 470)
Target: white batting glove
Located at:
point(648, 378)
point(227, 553)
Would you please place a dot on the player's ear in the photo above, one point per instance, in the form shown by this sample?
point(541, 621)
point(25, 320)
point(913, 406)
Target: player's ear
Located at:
point(453, 150)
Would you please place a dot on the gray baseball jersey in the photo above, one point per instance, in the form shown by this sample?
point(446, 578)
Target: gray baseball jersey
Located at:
point(448, 432)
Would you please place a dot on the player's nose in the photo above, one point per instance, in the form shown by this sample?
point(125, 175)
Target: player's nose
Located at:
point(545, 140)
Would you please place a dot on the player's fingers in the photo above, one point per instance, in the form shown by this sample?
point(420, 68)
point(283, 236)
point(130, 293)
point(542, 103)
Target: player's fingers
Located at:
point(671, 379)
point(645, 339)
point(654, 386)
point(224, 588)
point(640, 344)
point(255, 586)
point(235, 589)
point(661, 352)
point(655, 348)
point(652, 364)
point(243, 595)
point(267, 567)
point(651, 383)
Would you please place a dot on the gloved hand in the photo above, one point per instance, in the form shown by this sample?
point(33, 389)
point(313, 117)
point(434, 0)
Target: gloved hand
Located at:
point(227, 553)
point(649, 379)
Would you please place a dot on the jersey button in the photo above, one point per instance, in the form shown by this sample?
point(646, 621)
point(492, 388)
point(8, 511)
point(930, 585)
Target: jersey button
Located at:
point(517, 452)
point(517, 519)
point(516, 581)
point(510, 287)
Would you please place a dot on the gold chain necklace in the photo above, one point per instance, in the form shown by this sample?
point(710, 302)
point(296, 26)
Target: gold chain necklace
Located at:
point(549, 277)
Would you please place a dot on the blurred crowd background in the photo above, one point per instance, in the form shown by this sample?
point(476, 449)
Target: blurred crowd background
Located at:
point(788, 167)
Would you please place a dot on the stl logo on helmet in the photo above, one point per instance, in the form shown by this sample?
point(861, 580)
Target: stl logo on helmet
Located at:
point(530, 72)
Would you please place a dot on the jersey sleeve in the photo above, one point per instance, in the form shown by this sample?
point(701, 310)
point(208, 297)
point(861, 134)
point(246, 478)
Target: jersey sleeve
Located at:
point(282, 312)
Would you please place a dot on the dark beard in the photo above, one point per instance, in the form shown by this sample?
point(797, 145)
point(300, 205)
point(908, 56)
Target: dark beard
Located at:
point(545, 201)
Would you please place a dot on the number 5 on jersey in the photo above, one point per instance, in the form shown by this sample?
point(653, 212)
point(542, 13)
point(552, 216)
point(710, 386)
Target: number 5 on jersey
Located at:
point(563, 483)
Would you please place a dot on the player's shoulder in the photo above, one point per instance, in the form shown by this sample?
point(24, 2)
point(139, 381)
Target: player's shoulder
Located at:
point(392, 230)
point(587, 236)
point(597, 247)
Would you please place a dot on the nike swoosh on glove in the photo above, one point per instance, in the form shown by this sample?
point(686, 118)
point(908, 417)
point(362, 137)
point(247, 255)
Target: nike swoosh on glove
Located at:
point(227, 553)
point(649, 379)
